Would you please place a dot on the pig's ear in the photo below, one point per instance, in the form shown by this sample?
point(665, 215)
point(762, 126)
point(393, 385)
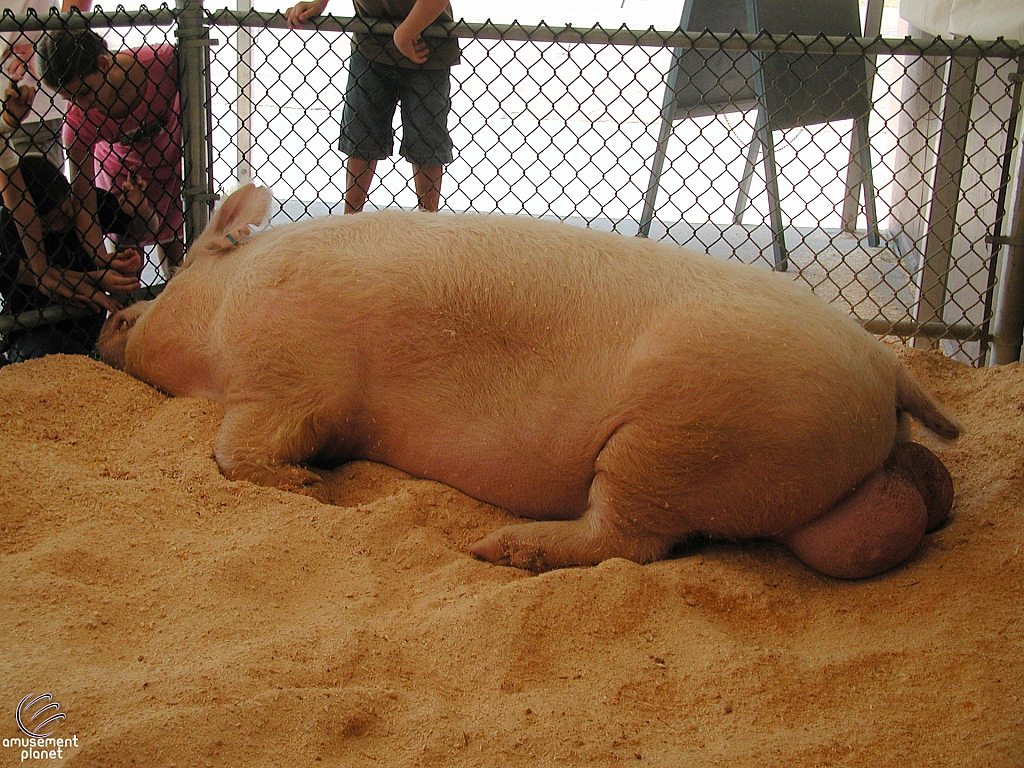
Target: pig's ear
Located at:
point(234, 219)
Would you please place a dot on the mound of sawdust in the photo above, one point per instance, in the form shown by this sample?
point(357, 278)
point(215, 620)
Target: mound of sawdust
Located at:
point(183, 620)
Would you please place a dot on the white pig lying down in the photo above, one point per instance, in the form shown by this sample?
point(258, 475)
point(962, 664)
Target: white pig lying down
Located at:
point(625, 394)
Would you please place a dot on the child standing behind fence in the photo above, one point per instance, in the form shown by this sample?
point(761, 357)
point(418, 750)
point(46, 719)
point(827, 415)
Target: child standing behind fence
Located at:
point(383, 71)
point(123, 120)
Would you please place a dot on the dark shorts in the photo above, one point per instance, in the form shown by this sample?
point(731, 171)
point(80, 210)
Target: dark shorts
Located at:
point(374, 90)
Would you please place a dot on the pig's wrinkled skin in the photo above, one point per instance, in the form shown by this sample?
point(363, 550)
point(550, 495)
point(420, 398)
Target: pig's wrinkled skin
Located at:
point(624, 393)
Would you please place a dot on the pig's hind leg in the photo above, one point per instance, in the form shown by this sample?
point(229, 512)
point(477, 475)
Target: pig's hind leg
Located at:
point(598, 535)
point(257, 444)
point(620, 520)
point(881, 522)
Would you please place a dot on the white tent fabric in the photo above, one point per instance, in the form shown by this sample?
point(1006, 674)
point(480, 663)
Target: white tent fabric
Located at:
point(981, 19)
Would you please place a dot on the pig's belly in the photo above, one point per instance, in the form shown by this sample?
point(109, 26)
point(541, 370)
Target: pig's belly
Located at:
point(544, 476)
point(534, 490)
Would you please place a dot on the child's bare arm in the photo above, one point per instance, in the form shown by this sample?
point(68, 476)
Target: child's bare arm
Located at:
point(74, 287)
point(83, 172)
point(144, 218)
point(300, 13)
point(121, 274)
point(17, 102)
point(407, 34)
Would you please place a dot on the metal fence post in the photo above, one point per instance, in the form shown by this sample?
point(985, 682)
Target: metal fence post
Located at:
point(244, 78)
point(1008, 324)
point(193, 69)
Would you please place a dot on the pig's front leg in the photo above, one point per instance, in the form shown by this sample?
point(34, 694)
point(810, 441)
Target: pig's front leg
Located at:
point(259, 444)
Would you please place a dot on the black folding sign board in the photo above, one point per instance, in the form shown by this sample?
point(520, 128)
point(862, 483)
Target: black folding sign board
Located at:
point(787, 90)
point(796, 89)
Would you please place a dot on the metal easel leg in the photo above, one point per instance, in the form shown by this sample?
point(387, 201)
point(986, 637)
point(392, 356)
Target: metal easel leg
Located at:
point(771, 178)
point(743, 198)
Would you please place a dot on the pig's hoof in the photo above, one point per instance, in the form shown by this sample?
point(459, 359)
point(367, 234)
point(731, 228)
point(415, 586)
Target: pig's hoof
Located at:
point(503, 550)
point(287, 477)
point(873, 529)
point(544, 546)
point(297, 478)
point(931, 478)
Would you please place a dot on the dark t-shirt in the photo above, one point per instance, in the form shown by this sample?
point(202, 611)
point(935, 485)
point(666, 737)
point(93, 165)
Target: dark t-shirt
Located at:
point(444, 52)
point(63, 251)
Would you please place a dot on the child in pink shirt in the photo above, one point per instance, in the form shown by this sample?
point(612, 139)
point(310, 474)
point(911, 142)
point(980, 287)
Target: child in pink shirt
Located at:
point(123, 119)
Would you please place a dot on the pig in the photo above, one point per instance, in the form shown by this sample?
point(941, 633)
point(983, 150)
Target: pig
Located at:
point(626, 395)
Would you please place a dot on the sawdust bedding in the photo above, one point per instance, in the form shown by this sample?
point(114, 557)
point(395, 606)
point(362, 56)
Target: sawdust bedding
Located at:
point(184, 620)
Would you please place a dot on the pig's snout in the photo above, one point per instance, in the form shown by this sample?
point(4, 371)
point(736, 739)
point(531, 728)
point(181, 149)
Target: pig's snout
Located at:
point(113, 340)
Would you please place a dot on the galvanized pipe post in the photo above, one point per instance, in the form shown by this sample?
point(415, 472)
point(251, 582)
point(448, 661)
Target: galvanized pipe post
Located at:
point(244, 110)
point(1008, 324)
point(193, 68)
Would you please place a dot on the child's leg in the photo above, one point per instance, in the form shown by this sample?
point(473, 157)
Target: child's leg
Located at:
point(426, 143)
point(359, 175)
point(367, 135)
point(428, 185)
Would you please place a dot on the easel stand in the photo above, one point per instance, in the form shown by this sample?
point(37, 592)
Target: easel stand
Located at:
point(787, 90)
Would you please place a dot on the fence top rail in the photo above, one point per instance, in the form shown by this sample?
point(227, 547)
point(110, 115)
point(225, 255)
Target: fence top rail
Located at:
point(160, 17)
point(650, 37)
point(544, 33)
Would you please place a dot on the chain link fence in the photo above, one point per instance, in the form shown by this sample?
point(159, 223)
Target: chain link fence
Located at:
point(880, 173)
